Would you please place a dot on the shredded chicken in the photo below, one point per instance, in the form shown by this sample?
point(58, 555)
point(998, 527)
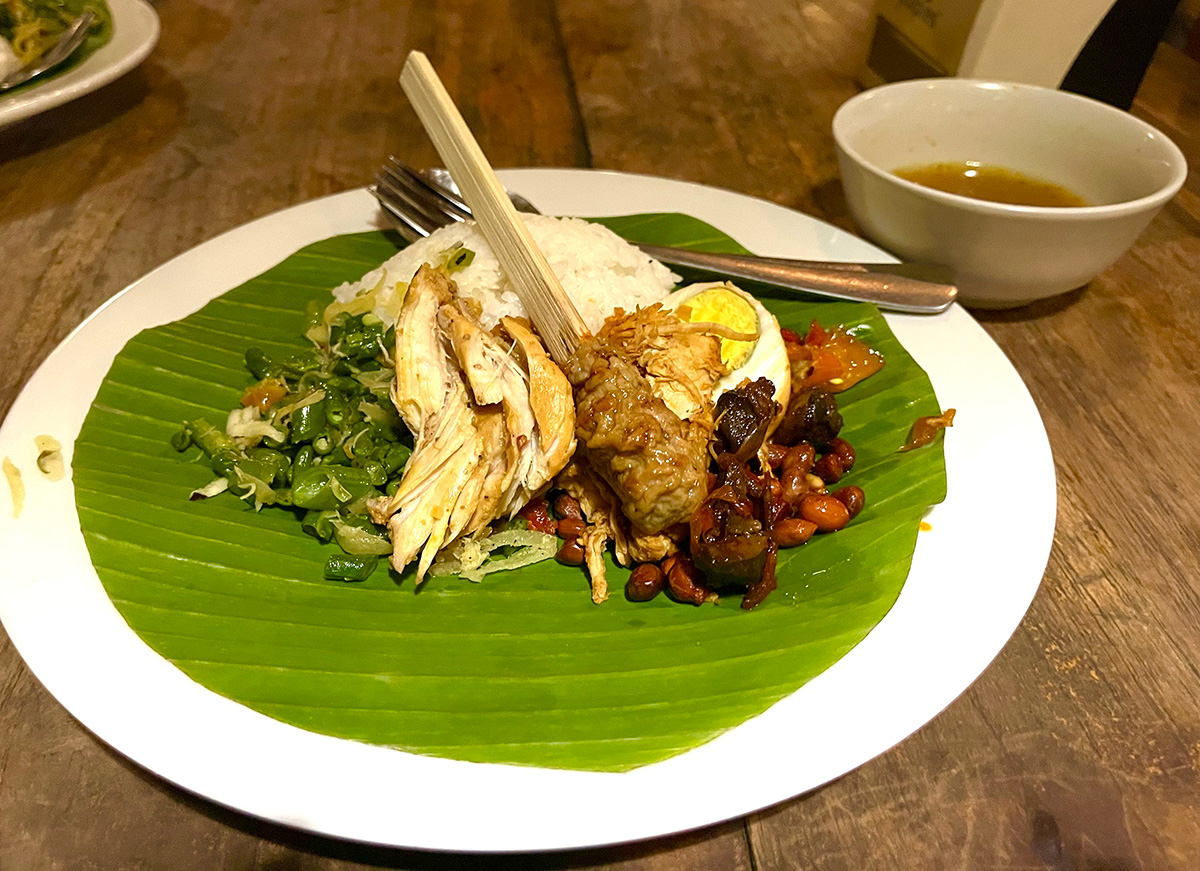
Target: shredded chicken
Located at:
point(547, 385)
point(492, 425)
point(495, 423)
point(606, 522)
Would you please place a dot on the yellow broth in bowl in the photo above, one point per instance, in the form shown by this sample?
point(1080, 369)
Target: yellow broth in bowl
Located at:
point(994, 183)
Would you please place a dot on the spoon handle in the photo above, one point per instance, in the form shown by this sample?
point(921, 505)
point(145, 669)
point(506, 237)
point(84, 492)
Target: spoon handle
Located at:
point(900, 287)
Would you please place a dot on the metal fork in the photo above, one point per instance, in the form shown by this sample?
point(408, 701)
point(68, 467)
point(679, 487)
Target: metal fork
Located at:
point(421, 201)
point(70, 40)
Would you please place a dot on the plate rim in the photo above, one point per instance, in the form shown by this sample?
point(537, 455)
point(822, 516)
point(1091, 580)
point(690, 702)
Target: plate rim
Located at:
point(328, 215)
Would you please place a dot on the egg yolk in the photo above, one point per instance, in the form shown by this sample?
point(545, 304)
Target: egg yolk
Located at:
point(717, 305)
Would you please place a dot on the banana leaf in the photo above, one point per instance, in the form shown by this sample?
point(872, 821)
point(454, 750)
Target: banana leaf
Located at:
point(521, 668)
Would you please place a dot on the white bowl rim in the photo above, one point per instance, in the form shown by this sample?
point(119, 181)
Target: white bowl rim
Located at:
point(989, 207)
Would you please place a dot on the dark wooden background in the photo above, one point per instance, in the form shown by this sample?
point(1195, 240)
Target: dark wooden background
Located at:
point(1077, 750)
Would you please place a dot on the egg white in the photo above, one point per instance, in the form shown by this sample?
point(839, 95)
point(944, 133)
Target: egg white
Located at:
point(768, 359)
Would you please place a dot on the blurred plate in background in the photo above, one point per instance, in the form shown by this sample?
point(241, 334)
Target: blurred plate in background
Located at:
point(135, 32)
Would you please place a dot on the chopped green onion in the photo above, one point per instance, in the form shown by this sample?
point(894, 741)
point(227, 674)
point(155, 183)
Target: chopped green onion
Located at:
point(457, 257)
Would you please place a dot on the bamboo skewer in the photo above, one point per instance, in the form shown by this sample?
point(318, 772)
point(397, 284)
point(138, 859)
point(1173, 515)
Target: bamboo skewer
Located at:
point(554, 315)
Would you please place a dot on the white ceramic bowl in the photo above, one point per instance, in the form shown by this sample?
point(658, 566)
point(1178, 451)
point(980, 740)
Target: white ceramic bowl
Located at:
point(1003, 255)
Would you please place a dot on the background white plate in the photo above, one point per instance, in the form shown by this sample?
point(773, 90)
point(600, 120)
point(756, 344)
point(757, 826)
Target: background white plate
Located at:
point(135, 31)
point(970, 584)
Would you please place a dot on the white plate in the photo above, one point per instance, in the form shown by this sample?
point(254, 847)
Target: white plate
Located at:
point(971, 582)
point(135, 31)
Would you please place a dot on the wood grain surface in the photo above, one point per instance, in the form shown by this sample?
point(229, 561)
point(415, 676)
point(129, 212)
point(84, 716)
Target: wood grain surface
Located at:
point(1077, 750)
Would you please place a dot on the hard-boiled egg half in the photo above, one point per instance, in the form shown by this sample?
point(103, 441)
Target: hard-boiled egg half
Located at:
point(721, 302)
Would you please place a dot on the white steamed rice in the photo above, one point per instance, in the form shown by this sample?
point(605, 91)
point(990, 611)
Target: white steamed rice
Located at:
point(598, 269)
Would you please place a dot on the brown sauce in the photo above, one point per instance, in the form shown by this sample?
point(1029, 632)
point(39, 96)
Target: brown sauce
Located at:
point(994, 183)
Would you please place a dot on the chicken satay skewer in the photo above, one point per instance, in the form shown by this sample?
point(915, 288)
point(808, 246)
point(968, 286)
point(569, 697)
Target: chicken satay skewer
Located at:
point(551, 310)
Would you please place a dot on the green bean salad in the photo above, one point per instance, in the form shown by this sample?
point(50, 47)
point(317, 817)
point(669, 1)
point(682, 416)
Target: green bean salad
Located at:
point(317, 433)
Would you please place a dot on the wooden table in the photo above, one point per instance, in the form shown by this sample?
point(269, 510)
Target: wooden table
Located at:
point(1079, 748)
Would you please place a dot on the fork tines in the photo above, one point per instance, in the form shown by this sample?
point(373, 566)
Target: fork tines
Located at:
point(412, 207)
point(442, 197)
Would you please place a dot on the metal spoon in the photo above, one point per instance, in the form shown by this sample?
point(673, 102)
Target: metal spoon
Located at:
point(915, 288)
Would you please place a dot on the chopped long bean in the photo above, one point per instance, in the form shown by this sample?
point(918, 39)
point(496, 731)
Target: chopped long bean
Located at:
point(325, 487)
point(318, 435)
point(350, 568)
point(319, 524)
point(308, 422)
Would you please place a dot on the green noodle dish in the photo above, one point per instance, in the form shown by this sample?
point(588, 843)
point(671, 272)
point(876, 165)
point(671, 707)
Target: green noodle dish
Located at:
point(30, 28)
